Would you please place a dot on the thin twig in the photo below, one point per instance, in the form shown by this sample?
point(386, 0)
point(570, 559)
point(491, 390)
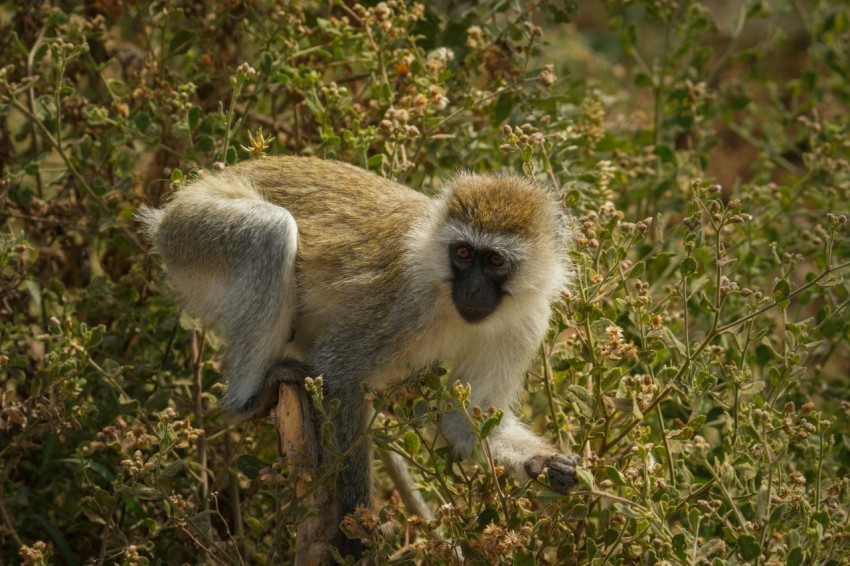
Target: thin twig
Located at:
point(197, 393)
point(36, 146)
point(102, 554)
point(612, 497)
point(728, 496)
point(7, 520)
point(548, 380)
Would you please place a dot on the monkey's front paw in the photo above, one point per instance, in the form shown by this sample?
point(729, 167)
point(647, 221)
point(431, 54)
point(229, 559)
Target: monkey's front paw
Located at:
point(561, 470)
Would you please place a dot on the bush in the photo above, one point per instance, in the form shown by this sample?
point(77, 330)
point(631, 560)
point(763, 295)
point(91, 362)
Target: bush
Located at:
point(699, 364)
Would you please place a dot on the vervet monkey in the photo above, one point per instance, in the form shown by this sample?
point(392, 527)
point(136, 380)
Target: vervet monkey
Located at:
point(365, 280)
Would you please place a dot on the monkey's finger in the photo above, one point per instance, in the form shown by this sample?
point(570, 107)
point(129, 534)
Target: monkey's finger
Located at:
point(562, 476)
point(571, 459)
point(561, 470)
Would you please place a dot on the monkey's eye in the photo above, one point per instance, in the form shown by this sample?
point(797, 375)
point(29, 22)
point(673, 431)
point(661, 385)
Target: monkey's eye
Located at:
point(463, 252)
point(495, 259)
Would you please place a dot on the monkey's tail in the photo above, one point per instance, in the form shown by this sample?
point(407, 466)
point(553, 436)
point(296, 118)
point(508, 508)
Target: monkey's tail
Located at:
point(150, 219)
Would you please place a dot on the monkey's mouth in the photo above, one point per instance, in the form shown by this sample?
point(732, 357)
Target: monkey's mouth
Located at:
point(474, 316)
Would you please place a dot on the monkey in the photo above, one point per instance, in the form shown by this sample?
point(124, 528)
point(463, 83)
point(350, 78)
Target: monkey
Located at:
point(363, 280)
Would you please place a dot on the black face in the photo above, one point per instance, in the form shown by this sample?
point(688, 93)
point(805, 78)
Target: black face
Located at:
point(479, 276)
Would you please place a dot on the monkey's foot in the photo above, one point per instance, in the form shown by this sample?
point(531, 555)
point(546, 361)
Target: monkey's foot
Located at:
point(561, 470)
point(292, 372)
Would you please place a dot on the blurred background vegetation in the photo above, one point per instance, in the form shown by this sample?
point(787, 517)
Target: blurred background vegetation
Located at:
point(699, 365)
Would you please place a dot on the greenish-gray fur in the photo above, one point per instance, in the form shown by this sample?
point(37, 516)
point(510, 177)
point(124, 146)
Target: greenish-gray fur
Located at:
point(325, 263)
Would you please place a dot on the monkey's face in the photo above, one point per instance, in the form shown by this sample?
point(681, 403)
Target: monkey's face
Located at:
point(478, 280)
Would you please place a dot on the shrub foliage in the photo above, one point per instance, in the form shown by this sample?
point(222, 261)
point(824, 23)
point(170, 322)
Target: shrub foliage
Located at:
point(698, 365)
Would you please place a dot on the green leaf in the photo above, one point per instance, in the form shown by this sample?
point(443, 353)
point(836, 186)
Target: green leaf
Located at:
point(611, 379)
point(665, 154)
point(681, 434)
point(627, 511)
point(647, 356)
point(376, 161)
point(194, 115)
point(583, 399)
point(205, 143)
point(95, 336)
point(671, 341)
point(615, 476)
point(266, 63)
point(328, 430)
point(180, 42)
point(764, 354)
point(694, 518)
point(576, 513)
point(32, 168)
point(16, 41)
point(420, 408)
point(774, 376)
point(749, 547)
point(565, 14)
point(762, 502)
point(432, 381)
point(666, 373)
point(642, 80)
point(145, 493)
point(689, 267)
point(795, 557)
point(39, 55)
point(622, 404)
point(58, 538)
point(680, 546)
point(172, 469)
point(697, 422)
point(491, 423)
point(706, 304)
point(637, 270)
point(101, 470)
point(752, 388)
point(585, 477)
point(823, 518)
point(781, 290)
point(230, 155)
point(411, 443)
point(250, 466)
point(502, 109)
point(487, 516)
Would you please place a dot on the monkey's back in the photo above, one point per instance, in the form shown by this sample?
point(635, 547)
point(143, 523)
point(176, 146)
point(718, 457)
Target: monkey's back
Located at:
point(349, 220)
point(351, 223)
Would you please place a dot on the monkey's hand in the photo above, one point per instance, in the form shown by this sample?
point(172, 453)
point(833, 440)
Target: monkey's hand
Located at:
point(291, 372)
point(561, 470)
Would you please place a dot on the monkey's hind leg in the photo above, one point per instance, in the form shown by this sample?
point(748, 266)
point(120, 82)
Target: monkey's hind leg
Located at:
point(231, 256)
